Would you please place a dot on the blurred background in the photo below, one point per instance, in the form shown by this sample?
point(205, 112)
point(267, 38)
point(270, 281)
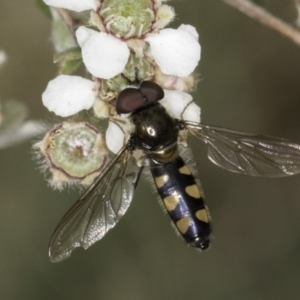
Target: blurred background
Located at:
point(250, 81)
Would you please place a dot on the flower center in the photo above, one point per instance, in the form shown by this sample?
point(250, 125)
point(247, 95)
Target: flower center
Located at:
point(77, 149)
point(127, 18)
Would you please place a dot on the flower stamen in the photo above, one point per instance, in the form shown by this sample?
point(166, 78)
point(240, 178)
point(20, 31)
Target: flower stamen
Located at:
point(103, 11)
point(131, 32)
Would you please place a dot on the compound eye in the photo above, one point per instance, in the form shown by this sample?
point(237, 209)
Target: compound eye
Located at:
point(152, 91)
point(129, 100)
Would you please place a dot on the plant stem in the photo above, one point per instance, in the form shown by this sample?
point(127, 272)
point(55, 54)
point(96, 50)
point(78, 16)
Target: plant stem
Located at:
point(261, 15)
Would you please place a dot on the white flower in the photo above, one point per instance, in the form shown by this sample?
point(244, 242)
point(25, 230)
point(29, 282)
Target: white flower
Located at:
point(180, 105)
point(67, 95)
point(76, 5)
point(177, 52)
point(103, 55)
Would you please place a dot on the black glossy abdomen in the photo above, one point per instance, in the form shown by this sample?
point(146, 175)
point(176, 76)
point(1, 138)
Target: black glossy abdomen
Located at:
point(183, 201)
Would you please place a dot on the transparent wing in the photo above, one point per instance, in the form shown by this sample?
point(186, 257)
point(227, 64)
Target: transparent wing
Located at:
point(251, 154)
point(98, 209)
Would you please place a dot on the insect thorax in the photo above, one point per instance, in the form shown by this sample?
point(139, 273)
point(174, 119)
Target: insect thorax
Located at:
point(155, 131)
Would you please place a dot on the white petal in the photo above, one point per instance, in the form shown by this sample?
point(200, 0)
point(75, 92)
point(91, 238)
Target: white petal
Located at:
point(67, 95)
point(104, 55)
point(192, 113)
point(180, 105)
point(76, 5)
point(83, 34)
point(114, 137)
point(176, 52)
point(190, 29)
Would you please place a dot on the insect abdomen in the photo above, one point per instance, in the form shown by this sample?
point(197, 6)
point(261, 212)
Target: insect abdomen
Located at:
point(183, 201)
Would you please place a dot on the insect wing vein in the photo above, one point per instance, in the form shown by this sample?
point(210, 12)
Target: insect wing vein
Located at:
point(98, 209)
point(247, 153)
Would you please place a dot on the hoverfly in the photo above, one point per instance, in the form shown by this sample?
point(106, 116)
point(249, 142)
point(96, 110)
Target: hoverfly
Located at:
point(156, 134)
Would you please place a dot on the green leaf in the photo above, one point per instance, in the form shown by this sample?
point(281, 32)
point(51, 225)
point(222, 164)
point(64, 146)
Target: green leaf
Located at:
point(69, 60)
point(69, 54)
point(63, 38)
point(69, 67)
point(45, 9)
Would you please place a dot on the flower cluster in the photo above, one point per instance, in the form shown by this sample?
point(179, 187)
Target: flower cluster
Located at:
point(120, 37)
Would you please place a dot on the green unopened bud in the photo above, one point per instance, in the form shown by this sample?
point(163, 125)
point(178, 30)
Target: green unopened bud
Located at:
point(74, 152)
